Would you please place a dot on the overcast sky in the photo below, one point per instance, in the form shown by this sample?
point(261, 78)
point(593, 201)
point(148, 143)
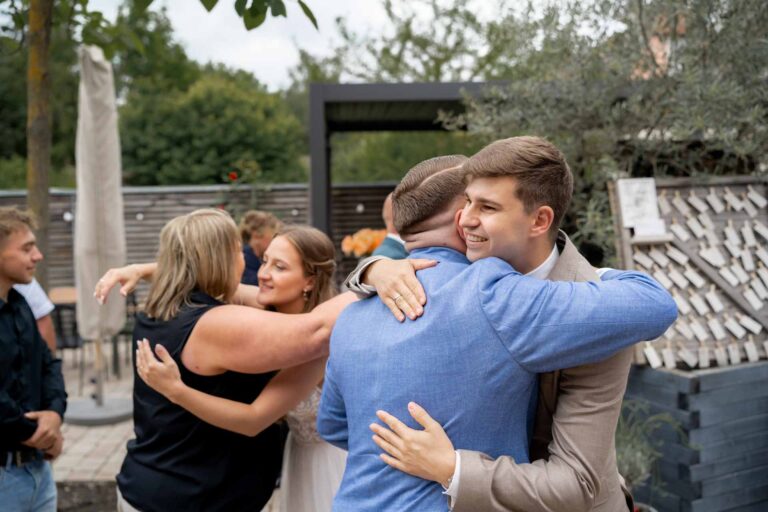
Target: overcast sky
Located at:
point(268, 51)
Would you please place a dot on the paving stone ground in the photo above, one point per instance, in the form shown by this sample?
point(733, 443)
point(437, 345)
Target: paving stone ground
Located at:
point(94, 453)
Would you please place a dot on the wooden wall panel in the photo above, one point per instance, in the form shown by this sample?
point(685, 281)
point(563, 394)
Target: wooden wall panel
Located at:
point(147, 209)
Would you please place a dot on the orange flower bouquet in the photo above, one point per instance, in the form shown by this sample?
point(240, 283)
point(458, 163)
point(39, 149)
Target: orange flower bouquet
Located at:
point(363, 243)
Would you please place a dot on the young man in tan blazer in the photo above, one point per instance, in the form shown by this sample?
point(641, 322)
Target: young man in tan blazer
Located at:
point(572, 448)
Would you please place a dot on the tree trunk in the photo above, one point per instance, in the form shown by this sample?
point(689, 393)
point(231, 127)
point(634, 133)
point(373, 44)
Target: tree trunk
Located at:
point(39, 122)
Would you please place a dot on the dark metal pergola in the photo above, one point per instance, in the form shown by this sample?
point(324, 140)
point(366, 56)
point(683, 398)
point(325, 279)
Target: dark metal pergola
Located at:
point(370, 107)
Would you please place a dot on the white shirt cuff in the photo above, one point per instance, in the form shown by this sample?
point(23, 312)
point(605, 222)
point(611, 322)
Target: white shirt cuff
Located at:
point(355, 280)
point(453, 489)
point(601, 271)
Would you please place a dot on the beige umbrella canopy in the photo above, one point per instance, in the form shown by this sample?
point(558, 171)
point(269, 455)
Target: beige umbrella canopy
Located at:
point(99, 227)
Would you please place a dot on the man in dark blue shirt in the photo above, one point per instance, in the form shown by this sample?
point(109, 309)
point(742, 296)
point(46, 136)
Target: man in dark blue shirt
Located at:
point(257, 228)
point(32, 396)
point(393, 246)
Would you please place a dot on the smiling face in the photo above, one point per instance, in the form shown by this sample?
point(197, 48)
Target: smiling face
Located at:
point(19, 256)
point(281, 277)
point(495, 222)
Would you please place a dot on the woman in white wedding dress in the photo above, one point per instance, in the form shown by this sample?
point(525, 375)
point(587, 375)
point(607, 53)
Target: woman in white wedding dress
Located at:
point(312, 468)
point(295, 276)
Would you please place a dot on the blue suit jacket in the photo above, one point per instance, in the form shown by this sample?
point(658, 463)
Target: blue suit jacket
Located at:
point(471, 360)
point(391, 248)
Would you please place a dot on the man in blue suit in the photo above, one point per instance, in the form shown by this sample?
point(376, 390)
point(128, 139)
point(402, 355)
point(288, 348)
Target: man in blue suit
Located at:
point(487, 332)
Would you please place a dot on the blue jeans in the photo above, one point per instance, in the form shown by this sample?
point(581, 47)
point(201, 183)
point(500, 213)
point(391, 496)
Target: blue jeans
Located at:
point(27, 488)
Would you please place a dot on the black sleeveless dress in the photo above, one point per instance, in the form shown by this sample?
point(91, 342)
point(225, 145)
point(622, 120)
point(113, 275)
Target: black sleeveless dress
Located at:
point(179, 462)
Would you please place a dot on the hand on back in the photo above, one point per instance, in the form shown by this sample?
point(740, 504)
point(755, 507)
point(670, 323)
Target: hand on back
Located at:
point(398, 288)
point(161, 375)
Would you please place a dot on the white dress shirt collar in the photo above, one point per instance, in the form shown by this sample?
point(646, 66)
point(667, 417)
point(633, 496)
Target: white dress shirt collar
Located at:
point(396, 238)
point(543, 270)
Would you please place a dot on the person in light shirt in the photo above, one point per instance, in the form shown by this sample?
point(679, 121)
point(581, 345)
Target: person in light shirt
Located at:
point(42, 307)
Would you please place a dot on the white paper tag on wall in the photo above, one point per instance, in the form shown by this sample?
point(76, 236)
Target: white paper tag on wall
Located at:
point(704, 357)
point(721, 356)
point(638, 200)
point(669, 358)
point(756, 197)
point(652, 356)
point(714, 301)
point(734, 354)
point(687, 356)
point(715, 202)
point(650, 228)
point(680, 232)
point(750, 323)
point(751, 350)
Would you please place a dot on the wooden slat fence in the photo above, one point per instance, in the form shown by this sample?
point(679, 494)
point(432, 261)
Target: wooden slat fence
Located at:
point(147, 209)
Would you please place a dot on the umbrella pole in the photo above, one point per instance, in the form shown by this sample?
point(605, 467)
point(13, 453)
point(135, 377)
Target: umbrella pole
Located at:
point(100, 409)
point(99, 368)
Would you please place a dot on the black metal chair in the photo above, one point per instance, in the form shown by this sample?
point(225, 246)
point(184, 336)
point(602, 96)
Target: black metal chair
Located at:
point(126, 334)
point(68, 339)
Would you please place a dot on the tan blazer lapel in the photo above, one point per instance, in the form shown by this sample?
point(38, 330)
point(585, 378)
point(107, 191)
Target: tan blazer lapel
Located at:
point(571, 266)
point(581, 474)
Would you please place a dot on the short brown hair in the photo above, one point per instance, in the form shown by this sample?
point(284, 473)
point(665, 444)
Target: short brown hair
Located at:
point(427, 188)
point(256, 221)
point(14, 219)
point(539, 168)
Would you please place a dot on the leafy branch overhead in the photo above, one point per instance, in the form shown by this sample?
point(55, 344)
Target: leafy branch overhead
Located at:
point(625, 88)
point(255, 12)
point(93, 28)
point(31, 24)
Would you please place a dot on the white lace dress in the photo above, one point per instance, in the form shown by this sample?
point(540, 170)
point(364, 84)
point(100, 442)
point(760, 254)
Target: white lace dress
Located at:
point(312, 468)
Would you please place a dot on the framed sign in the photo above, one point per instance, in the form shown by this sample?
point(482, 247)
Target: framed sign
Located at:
point(637, 197)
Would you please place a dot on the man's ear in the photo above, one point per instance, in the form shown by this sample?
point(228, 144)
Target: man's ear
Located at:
point(457, 223)
point(542, 221)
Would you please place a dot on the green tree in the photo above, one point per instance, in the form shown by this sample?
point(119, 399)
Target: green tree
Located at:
point(13, 62)
point(425, 41)
point(225, 121)
point(387, 156)
point(32, 22)
point(156, 62)
point(428, 41)
point(12, 99)
point(639, 88)
point(311, 69)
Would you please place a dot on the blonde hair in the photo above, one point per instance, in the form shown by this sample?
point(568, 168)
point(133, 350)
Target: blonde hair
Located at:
point(318, 259)
point(197, 251)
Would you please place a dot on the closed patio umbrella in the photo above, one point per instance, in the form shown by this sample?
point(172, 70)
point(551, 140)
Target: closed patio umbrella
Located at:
point(99, 227)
